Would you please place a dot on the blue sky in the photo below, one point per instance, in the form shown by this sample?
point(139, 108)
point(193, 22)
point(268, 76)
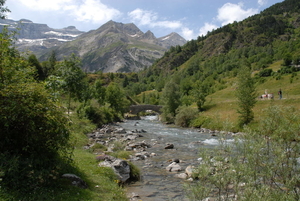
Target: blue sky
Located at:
point(189, 18)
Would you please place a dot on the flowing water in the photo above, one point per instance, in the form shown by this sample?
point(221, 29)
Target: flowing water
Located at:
point(157, 183)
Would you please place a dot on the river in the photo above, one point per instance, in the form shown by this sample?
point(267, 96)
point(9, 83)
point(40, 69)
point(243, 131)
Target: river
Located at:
point(157, 184)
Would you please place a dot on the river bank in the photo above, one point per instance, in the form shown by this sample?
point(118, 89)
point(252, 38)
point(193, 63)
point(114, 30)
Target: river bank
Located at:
point(163, 161)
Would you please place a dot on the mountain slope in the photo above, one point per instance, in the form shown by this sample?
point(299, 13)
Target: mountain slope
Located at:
point(118, 47)
point(258, 39)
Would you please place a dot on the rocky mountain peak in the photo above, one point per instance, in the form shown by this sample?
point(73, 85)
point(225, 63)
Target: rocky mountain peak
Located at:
point(113, 47)
point(149, 35)
point(130, 28)
point(172, 39)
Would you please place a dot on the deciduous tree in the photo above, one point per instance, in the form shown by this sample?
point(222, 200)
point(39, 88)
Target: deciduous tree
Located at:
point(75, 83)
point(246, 95)
point(170, 100)
point(116, 98)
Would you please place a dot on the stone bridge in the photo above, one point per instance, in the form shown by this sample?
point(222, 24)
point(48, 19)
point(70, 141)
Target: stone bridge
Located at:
point(134, 109)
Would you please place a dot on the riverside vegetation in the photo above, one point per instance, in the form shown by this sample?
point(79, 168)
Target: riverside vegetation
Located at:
point(47, 108)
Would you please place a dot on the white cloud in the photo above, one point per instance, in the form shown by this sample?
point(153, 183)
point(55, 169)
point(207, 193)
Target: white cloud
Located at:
point(229, 13)
point(207, 27)
point(262, 2)
point(81, 10)
point(187, 33)
point(149, 18)
point(94, 11)
point(142, 17)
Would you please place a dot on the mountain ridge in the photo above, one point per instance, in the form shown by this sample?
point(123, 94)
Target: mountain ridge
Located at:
point(113, 47)
point(37, 37)
point(117, 47)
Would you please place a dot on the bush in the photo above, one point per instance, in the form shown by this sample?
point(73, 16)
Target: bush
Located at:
point(185, 115)
point(261, 164)
point(34, 136)
point(98, 115)
point(265, 72)
point(201, 121)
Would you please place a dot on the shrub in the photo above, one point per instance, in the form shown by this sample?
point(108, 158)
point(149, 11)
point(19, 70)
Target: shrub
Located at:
point(185, 115)
point(265, 72)
point(98, 115)
point(261, 164)
point(34, 135)
point(121, 154)
point(200, 121)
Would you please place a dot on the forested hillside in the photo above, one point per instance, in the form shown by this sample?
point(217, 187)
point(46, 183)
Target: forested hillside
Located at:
point(267, 44)
point(257, 42)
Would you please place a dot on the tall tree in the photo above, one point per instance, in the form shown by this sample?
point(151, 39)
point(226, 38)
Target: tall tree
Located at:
point(99, 92)
point(52, 61)
point(199, 92)
point(246, 95)
point(33, 61)
point(171, 100)
point(75, 82)
point(116, 98)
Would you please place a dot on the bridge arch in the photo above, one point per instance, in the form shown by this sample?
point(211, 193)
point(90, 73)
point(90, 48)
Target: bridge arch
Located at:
point(134, 109)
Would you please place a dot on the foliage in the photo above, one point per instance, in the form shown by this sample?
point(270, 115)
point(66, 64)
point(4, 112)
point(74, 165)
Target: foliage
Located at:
point(34, 143)
point(3, 9)
point(199, 92)
point(246, 95)
point(185, 115)
point(71, 72)
point(98, 115)
point(13, 68)
point(135, 173)
point(116, 98)
point(54, 85)
point(75, 84)
point(49, 65)
point(200, 121)
point(262, 164)
point(34, 135)
point(265, 72)
point(171, 101)
point(99, 92)
point(32, 60)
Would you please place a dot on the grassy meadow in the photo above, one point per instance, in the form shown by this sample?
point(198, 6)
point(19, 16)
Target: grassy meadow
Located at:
point(221, 106)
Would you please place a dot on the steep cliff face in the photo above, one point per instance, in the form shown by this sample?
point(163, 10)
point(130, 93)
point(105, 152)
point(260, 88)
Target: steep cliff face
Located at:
point(118, 47)
point(38, 37)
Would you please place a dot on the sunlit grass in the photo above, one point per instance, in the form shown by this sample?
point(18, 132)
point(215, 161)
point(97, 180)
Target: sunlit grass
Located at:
point(221, 106)
point(101, 181)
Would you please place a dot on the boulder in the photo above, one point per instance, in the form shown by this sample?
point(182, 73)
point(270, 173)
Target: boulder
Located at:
point(131, 137)
point(75, 180)
point(174, 167)
point(120, 167)
point(189, 170)
point(169, 146)
point(181, 175)
point(119, 131)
